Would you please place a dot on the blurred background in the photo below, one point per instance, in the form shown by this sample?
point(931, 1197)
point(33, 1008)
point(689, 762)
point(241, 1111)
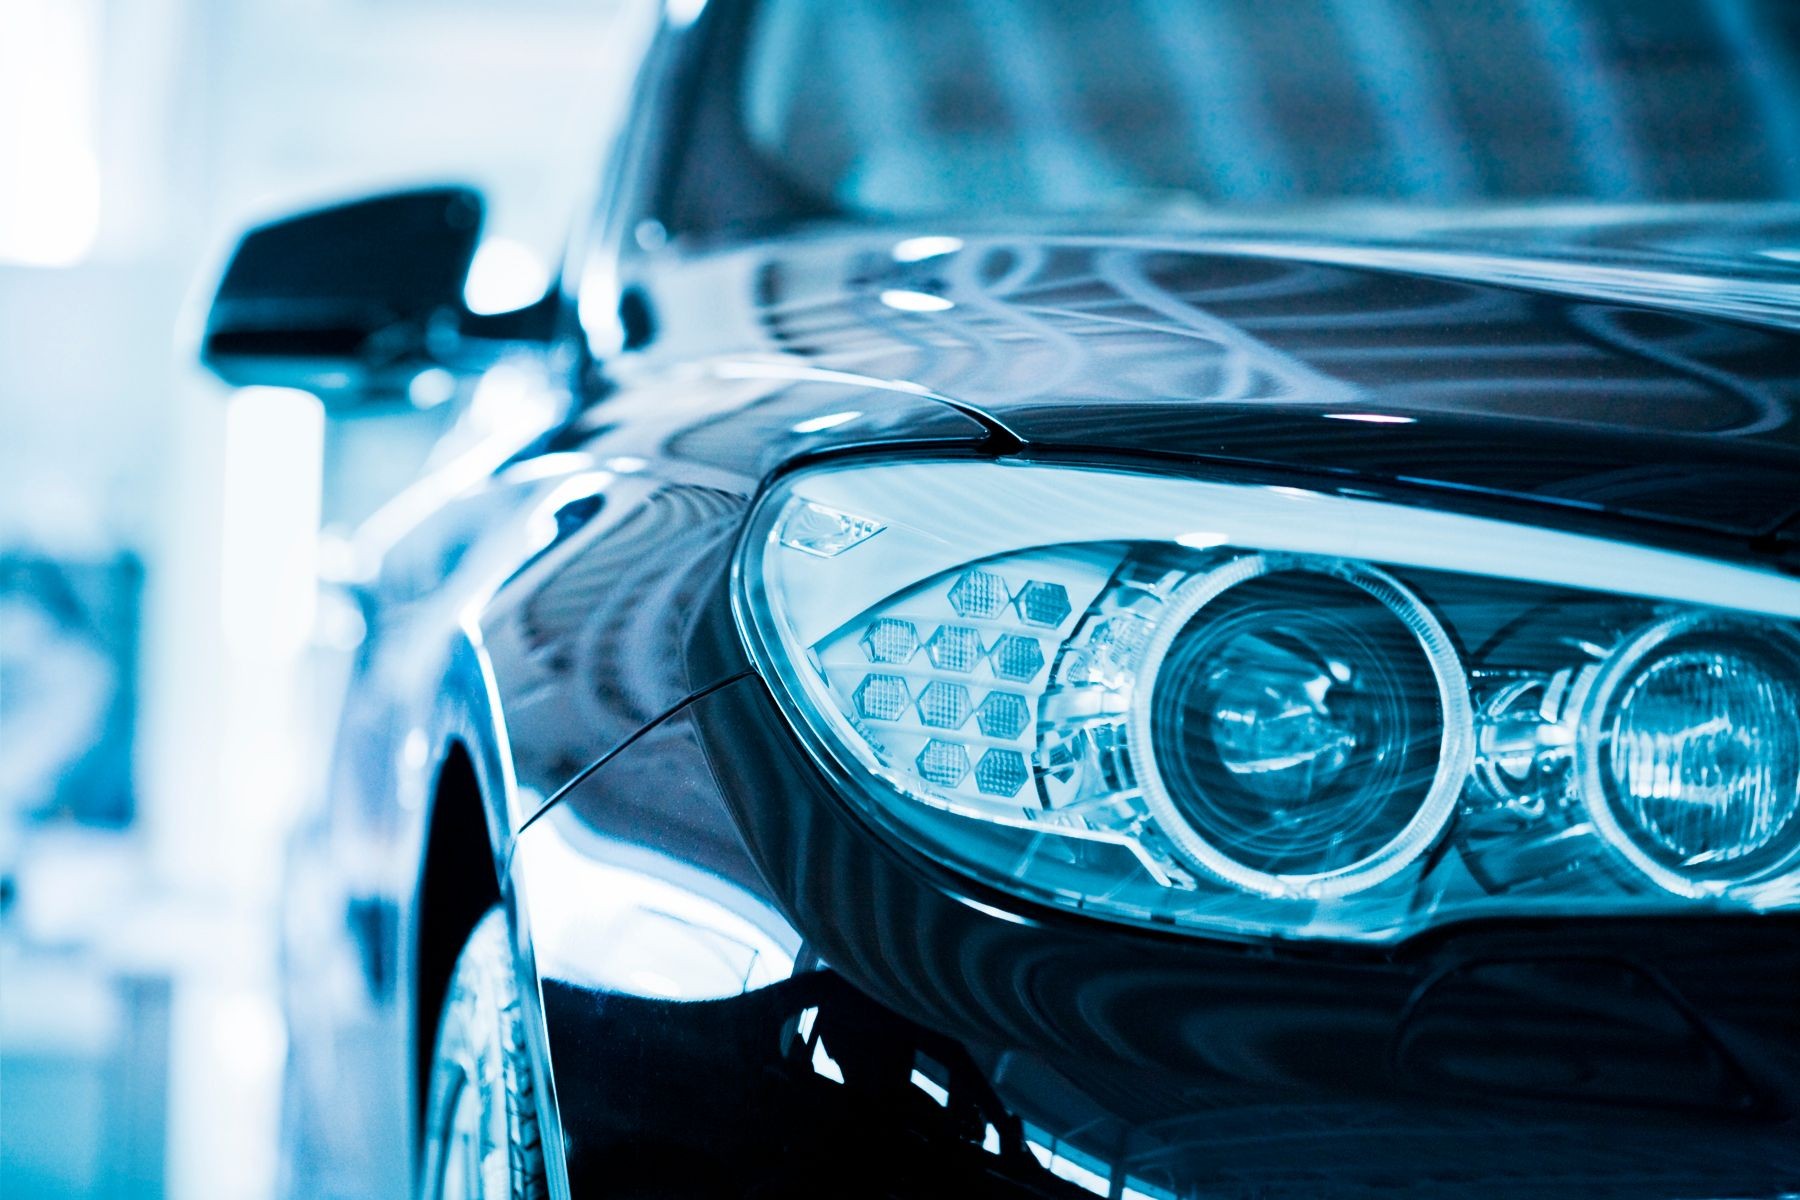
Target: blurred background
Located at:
point(165, 659)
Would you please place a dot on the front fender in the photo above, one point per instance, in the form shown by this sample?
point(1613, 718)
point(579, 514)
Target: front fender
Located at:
point(693, 1043)
point(742, 993)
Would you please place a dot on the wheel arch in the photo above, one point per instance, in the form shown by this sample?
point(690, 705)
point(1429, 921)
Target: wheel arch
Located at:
point(458, 884)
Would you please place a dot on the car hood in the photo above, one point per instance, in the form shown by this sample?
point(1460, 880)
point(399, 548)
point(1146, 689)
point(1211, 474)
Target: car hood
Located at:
point(1645, 364)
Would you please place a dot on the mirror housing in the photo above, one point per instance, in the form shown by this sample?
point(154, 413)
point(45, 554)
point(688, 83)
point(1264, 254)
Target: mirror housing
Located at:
point(349, 302)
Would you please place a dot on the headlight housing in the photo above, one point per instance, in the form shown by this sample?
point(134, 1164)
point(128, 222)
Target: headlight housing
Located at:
point(1270, 711)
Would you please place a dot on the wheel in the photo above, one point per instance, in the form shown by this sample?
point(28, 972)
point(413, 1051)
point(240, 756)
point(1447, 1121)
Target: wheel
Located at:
point(481, 1129)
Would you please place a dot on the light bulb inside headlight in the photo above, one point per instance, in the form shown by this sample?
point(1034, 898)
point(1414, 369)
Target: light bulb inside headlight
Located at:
point(1303, 726)
point(1693, 752)
point(1266, 711)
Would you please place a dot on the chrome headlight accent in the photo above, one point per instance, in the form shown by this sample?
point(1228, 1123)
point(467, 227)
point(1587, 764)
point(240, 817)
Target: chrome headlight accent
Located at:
point(1270, 711)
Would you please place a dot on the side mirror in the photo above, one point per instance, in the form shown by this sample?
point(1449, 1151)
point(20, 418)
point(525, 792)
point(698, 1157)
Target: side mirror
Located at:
point(348, 302)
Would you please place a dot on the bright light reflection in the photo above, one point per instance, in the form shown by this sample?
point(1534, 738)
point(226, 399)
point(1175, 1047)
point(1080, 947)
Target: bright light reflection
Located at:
point(414, 750)
point(828, 421)
point(542, 527)
point(653, 928)
point(508, 404)
point(916, 302)
point(1067, 1168)
point(430, 387)
point(918, 249)
point(750, 369)
point(548, 466)
point(654, 983)
point(1204, 539)
point(825, 1065)
point(682, 13)
point(507, 408)
point(931, 1087)
point(1372, 418)
point(505, 275)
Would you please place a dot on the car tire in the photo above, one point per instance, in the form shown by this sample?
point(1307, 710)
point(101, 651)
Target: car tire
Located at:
point(481, 1124)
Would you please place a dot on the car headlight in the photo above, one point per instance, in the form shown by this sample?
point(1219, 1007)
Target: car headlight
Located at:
point(1266, 710)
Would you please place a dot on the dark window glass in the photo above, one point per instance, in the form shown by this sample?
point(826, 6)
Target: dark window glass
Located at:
point(910, 107)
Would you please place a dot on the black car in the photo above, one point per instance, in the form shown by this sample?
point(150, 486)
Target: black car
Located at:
point(1143, 600)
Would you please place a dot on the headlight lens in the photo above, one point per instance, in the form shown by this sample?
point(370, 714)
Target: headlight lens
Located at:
point(1692, 752)
point(1305, 725)
point(1271, 711)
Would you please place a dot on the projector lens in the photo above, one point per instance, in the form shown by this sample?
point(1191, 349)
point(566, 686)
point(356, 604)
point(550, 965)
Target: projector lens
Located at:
point(1297, 724)
point(1694, 760)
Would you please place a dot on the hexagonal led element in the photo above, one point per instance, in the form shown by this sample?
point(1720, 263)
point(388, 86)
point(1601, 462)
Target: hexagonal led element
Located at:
point(944, 705)
point(1003, 715)
point(943, 763)
point(1043, 603)
point(954, 648)
point(1001, 772)
point(978, 594)
point(887, 640)
point(881, 697)
point(1017, 658)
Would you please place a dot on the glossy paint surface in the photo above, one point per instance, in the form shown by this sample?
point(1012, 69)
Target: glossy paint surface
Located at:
point(1288, 352)
point(550, 615)
point(739, 989)
point(1485, 1062)
point(551, 618)
point(1492, 1059)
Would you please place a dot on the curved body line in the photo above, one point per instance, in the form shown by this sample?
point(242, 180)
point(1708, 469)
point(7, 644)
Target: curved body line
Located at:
point(556, 797)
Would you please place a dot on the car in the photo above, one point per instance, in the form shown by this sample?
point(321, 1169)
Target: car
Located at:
point(1148, 601)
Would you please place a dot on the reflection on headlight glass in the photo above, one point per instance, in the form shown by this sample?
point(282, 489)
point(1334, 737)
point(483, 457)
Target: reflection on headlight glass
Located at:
point(1262, 710)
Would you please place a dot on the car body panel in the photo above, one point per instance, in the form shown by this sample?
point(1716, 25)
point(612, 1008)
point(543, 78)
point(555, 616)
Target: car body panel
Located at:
point(1243, 351)
point(585, 639)
point(685, 888)
point(1480, 1063)
point(1701, 1039)
point(582, 598)
point(493, 621)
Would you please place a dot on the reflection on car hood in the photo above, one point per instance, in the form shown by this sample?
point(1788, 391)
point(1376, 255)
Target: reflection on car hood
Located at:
point(1741, 262)
point(1645, 365)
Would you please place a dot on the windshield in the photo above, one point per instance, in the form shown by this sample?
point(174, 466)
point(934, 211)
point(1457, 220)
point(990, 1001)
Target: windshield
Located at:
point(884, 108)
